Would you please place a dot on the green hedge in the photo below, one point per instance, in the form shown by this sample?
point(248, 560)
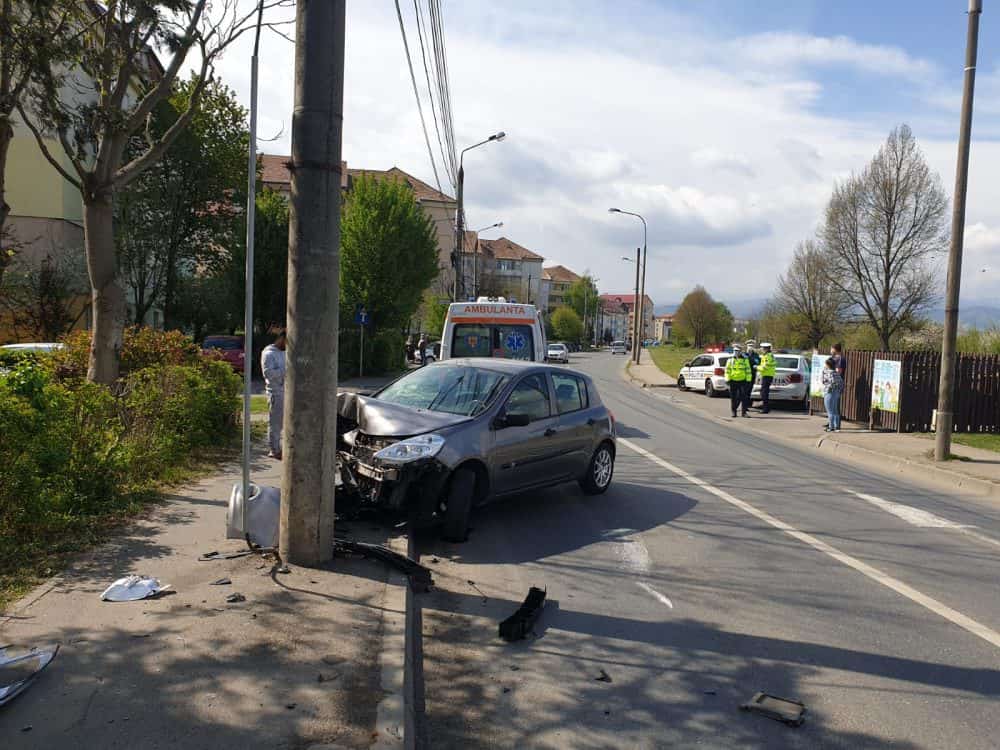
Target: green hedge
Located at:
point(75, 455)
point(384, 353)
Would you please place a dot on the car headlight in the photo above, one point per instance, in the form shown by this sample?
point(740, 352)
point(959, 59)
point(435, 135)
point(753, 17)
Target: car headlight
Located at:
point(349, 438)
point(411, 449)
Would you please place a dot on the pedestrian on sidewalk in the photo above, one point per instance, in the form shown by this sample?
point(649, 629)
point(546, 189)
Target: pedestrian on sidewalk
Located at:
point(409, 349)
point(839, 360)
point(738, 380)
point(422, 348)
point(272, 365)
point(833, 387)
point(767, 373)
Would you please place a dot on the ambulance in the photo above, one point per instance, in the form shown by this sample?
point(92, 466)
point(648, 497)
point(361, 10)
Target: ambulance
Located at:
point(493, 327)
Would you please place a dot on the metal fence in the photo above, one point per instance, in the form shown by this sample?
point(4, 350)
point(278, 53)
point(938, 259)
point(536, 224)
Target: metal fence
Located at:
point(977, 392)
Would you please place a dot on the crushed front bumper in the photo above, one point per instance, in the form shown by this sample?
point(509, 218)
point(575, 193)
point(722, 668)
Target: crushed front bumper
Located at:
point(412, 490)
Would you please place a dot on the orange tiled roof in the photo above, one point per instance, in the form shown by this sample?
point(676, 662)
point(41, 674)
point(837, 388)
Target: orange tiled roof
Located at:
point(504, 249)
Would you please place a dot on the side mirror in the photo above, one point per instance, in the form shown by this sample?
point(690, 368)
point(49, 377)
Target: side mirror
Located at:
point(511, 420)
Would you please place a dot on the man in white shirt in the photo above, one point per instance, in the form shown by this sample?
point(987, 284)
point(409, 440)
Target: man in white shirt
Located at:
point(272, 365)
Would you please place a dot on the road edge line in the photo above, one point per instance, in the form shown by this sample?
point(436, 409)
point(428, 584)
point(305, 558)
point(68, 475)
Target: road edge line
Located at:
point(873, 573)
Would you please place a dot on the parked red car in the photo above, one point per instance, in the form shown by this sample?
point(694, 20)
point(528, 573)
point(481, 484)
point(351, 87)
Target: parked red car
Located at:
point(230, 348)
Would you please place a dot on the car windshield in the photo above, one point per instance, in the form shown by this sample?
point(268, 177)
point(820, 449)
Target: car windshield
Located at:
point(466, 391)
point(228, 344)
point(786, 363)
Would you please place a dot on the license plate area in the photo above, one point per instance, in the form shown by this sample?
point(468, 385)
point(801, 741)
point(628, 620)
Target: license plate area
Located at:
point(374, 472)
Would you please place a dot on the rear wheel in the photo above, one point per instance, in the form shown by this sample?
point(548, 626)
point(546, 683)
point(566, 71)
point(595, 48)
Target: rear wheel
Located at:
point(459, 506)
point(709, 388)
point(600, 471)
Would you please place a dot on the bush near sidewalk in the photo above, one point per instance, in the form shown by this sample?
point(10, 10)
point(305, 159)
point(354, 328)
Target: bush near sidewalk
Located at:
point(76, 456)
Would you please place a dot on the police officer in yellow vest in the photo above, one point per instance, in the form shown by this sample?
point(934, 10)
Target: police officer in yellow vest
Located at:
point(767, 371)
point(738, 379)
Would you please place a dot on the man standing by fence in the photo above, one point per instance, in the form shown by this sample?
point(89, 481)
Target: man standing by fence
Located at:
point(272, 366)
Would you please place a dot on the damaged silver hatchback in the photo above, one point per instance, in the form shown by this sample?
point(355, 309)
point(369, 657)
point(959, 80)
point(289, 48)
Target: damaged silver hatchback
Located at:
point(453, 435)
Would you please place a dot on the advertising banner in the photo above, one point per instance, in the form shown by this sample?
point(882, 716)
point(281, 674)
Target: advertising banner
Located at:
point(816, 379)
point(886, 377)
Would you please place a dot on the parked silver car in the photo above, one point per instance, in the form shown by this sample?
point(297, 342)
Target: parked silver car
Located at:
point(791, 379)
point(557, 352)
point(448, 437)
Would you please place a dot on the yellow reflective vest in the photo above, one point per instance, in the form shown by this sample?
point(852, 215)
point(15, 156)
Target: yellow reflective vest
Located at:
point(767, 369)
point(738, 369)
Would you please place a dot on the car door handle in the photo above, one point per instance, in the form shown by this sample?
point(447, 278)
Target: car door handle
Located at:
point(550, 432)
point(591, 422)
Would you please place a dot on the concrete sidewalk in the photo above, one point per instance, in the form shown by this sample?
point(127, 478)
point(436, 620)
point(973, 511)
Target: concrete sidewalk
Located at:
point(646, 374)
point(296, 664)
point(907, 454)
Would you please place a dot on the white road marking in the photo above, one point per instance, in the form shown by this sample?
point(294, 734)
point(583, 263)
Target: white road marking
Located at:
point(923, 519)
point(954, 616)
point(656, 594)
point(911, 515)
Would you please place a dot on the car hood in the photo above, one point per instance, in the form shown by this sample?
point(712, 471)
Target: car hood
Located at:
point(382, 419)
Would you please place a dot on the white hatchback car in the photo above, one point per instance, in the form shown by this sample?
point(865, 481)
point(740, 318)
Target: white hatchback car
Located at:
point(557, 353)
point(618, 347)
point(792, 373)
point(706, 372)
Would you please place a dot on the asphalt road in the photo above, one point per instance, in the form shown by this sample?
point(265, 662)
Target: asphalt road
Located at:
point(717, 565)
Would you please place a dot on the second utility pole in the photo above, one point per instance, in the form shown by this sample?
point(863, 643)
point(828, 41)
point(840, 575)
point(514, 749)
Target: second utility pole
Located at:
point(946, 385)
point(306, 530)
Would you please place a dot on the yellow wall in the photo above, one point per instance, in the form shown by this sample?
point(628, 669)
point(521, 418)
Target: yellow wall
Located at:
point(34, 188)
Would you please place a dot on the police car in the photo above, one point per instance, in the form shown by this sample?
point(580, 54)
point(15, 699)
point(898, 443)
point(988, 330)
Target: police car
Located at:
point(493, 327)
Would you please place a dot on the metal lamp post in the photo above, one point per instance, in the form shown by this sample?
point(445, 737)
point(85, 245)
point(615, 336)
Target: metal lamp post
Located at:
point(460, 211)
point(641, 296)
point(475, 258)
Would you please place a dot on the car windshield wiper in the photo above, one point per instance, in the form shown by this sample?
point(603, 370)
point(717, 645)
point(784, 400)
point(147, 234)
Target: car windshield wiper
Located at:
point(485, 401)
point(444, 394)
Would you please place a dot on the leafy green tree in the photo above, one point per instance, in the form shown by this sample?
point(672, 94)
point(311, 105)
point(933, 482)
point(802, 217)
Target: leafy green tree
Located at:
point(566, 324)
point(388, 252)
point(583, 297)
point(697, 318)
point(724, 323)
point(193, 197)
point(435, 313)
point(114, 73)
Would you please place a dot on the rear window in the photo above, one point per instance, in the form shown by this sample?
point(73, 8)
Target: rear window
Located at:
point(571, 392)
point(497, 340)
point(786, 363)
point(220, 343)
point(722, 361)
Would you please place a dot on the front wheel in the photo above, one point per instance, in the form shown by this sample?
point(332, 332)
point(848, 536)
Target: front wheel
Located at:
point(458, 506)
point(680, 384)
point(600, 471)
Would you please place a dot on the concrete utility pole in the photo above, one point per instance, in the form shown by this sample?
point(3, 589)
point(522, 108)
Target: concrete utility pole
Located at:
point(306, 532)
point(946, 386)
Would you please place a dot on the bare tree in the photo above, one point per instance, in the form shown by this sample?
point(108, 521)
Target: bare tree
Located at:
point(42, 301)
point(813, 306)
point(883, 230)
point(698, 316)
point(96, 106)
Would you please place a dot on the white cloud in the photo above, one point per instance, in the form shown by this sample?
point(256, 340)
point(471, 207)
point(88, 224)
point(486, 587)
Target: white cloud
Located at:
point(724, 153)
point(786, 49)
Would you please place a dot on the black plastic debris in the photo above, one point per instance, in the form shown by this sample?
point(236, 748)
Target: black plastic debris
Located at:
point(216, 555)
point(221, 582)
point(603, 677)
point(785, 710)
point(519, 624)
point(233, 598)
point(19, 672)
point(419, 576)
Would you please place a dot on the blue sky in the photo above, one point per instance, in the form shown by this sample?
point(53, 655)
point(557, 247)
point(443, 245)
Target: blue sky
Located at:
point(726, 123)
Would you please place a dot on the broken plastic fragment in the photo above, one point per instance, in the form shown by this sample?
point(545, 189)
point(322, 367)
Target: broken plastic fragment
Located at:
point(221, 582)
point(519, 624)
point(19, 672)
point(233, 598)
point(604, 677)
point(133, 588)
point(787, 711)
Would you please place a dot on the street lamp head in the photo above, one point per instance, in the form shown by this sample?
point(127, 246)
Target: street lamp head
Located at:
point(498, 224)
point(498, 136)
point(614, 210)
point(627, 260)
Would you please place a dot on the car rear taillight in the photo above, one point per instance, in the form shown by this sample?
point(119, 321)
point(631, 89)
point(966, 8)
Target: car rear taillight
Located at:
point(720, 372)
point(795, 377)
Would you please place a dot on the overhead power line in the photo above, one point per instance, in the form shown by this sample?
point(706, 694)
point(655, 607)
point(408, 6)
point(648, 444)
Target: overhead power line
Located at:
point(416, 93)
point(421, 24)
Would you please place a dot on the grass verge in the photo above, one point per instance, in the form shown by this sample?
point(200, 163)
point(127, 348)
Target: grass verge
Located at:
point(671, 359)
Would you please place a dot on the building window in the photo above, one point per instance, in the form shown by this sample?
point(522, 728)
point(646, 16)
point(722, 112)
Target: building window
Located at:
point(507, 265)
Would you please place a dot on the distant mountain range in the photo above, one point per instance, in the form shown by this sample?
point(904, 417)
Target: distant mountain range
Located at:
point(974, 313)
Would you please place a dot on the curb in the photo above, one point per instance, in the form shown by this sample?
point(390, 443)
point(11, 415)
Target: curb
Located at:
point(882, 463)
point(391, 719)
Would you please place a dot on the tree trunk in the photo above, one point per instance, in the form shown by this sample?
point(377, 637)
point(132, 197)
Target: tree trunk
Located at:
point(108, 298)
point(6, 136)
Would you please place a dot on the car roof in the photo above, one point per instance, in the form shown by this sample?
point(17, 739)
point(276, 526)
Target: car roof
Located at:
point(511, 367)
